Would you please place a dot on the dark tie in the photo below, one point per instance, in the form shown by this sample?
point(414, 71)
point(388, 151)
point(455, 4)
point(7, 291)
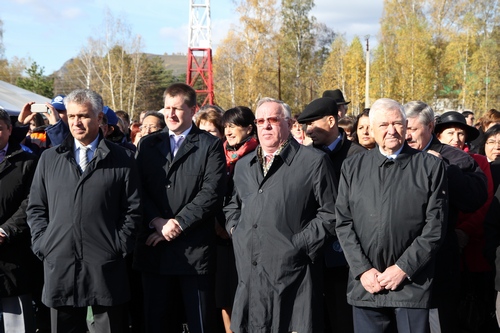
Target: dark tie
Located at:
point(2, 155)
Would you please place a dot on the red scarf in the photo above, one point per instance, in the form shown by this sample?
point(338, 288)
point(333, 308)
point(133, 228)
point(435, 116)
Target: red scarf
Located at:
point(233, 155)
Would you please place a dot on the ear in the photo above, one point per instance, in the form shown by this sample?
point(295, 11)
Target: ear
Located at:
point(249, 129)
point(331, 121)
point(99, 117)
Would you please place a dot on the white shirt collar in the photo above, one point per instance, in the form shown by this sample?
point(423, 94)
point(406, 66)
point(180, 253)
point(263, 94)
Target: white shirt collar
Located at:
point(392, 156)
point(184, 134)
point(92, 145)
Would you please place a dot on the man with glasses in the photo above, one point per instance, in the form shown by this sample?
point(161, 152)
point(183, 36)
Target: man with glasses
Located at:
point(280, 215)
point(153, 121)
point(183, 180)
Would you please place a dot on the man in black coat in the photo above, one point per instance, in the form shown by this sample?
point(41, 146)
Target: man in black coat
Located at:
point(83, 211)
point(20, 271)
point(391, 219)
point(321, 120)
point(468, 192)
point(183, 177)
point(280, 215)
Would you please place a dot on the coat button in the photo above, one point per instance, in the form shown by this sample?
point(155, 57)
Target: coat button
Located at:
point(255, 226)
point(254, 263)
point(260, 191)
point(169, 186)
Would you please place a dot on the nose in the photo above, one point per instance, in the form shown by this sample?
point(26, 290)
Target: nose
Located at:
point(169, 112)
point(408, 136)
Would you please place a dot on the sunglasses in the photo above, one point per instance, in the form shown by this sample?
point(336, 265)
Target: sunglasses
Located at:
point(270, 120)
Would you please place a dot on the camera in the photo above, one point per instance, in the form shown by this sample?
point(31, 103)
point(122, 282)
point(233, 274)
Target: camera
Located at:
point(39, 108)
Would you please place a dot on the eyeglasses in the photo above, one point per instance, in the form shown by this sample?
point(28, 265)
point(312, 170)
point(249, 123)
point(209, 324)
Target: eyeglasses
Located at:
point(493, 142)
point(270, 120)
point(149, 127)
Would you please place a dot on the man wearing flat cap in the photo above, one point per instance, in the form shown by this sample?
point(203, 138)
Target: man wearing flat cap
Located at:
point(338, 97)
point(321, 120)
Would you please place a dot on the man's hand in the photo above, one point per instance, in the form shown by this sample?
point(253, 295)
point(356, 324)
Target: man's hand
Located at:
point(53, 114)
point(3, 238)
point(169, 229)
point(369, 281)
point(26, 115)
point(165, 230)
point(435, 153)
point(391, 278)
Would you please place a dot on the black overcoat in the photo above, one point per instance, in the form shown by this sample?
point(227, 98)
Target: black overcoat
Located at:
point(189, 188)
point(19, 267)
point(280, 223)
point(83, 225)
point(392, 212)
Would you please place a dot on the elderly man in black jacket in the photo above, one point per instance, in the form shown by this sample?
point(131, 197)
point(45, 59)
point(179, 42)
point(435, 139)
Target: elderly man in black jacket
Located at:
point(183, 177)
point(468, 192)
point(391, 213)
point(83, 210)
point(18, 265)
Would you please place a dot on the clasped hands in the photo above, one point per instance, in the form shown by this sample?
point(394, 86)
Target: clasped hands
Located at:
point(164, 230)
point(374, 281)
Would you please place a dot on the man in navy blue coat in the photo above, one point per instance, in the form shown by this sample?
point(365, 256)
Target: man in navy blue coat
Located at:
point(183, 177)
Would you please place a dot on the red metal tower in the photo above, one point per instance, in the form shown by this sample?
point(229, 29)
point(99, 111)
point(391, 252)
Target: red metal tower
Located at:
point(199, 67)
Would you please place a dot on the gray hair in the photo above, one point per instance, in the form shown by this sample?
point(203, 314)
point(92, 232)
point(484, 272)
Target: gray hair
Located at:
point(85, 96)
point(421, 110)
point(385, 104)
point(285, 108)
point(4, 115)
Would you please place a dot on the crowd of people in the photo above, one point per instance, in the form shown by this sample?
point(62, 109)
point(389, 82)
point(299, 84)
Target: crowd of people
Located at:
point(245, 220)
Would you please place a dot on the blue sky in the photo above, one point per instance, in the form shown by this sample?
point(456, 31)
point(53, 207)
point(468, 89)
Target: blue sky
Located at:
point(51, 32)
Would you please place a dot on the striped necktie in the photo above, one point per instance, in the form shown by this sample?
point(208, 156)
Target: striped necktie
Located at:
point(84, 161)
point(2, 155)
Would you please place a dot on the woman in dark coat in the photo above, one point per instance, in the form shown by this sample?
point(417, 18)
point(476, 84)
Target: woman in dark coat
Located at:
point(240, 140)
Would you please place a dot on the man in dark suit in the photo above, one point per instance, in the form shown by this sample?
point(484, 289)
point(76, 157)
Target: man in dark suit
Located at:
point(83, 211)
point(321, 121)
point(183, 178)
